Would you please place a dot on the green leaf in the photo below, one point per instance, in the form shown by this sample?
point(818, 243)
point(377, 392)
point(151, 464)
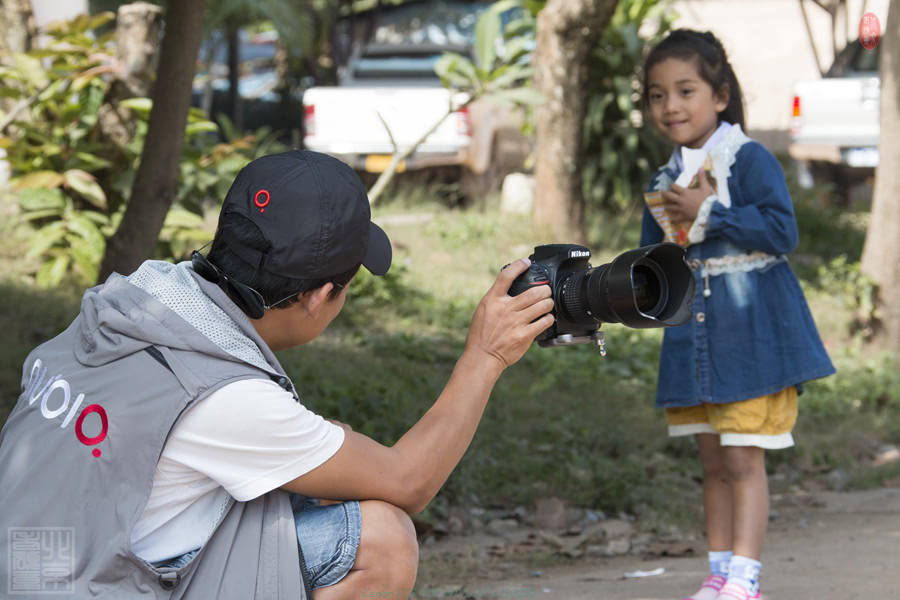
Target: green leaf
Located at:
point(31, 68)
point(524, 95)
point(35, 199)
point(487, 33)
point(517, 48)
point(457, 69)
point(201, 127)
point(92, 161)
point(9, 92)
point(180, 218)
point(37, 215)
point(509, 75)
point(87, 187)
point(39, 179)
point(52, 272)
point(86, 230)
point(141, 106)
point(85, 259)
point(44, 238)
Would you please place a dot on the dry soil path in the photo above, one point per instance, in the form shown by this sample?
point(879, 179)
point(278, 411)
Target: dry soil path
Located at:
point(845, 546)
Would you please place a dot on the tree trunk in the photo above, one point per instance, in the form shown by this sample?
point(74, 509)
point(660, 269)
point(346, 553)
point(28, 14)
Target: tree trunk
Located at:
point(138, 32)
point(17, 31)
point(566, 33)
point(881, 253)
point(156, 180)
point(17, 26)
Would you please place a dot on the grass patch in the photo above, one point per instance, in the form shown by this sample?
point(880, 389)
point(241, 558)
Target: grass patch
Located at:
point(29, 317)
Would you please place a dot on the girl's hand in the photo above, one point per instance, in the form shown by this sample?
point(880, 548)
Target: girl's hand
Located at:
point(682, 204)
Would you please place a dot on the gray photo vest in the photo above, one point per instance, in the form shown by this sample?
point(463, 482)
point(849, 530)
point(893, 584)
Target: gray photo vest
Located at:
point(79, 451)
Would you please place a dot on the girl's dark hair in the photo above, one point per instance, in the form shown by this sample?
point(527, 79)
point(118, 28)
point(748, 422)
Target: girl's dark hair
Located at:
point(273, 288)
point(707, 52)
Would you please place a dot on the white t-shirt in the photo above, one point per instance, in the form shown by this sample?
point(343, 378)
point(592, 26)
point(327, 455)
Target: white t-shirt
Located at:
point(243, 440)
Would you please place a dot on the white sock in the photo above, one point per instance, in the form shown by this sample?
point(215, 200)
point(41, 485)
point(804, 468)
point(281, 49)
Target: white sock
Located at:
point(745, 572)
point(718, 563)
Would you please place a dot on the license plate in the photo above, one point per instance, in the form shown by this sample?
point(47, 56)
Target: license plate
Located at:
point(377, 163)
point(861, 157)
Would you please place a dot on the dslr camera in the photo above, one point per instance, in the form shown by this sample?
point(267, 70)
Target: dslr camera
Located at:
point(642, 288)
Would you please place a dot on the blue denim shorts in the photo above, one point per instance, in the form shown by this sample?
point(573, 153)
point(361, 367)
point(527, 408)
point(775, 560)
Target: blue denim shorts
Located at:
point(328, 536)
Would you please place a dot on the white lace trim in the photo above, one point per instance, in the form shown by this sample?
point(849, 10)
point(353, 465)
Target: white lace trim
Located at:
point(752, 261)
point(698, 229)
point(723, 155)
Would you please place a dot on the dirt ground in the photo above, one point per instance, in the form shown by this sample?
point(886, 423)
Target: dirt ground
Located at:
point(841, 546)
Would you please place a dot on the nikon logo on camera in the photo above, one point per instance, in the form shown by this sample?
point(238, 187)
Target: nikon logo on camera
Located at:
point(579, 253)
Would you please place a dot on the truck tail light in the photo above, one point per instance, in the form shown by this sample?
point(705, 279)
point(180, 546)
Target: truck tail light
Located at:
point(309, 120)
point(796, 116)
point(464, 122)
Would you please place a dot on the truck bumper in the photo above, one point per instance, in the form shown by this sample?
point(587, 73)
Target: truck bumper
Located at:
point(862, 157)
point(377, 160)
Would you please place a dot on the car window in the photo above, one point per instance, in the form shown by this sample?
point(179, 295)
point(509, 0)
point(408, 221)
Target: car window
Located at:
point(439, 23)
point(416, 67)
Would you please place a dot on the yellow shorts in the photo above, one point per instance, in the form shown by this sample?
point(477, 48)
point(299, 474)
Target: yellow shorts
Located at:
point(766, 421)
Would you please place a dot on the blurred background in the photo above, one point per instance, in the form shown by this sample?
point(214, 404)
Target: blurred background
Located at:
point(122, 126)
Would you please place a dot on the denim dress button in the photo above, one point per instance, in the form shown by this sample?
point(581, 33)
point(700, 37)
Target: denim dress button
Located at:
point(701, 317)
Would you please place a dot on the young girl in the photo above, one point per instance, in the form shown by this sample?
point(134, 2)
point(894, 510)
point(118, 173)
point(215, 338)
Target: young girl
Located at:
point(732, 374)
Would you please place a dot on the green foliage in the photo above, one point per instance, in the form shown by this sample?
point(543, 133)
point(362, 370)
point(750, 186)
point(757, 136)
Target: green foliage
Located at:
point(501, 66)
point(71, 179)
point(827, 233)
point(621, 150)
point(28, 317)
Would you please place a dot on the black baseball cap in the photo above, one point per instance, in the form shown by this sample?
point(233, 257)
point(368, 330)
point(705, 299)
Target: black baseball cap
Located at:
point(313, 210)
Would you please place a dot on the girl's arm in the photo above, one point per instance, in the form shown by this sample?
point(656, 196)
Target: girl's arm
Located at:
point(766, 221)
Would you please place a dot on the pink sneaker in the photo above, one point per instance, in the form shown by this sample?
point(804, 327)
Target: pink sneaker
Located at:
point(710, 588)
point(732, 591)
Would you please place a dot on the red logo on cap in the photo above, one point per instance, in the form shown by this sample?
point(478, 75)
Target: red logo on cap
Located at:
point(261, 200)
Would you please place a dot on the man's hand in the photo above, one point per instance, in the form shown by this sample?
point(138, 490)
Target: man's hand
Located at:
point(504, 326)
point(682, 204)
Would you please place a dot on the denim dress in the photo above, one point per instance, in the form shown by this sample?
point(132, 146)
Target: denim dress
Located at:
point(751, 333)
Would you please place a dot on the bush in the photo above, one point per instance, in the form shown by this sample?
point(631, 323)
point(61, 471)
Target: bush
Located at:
point(71, 177)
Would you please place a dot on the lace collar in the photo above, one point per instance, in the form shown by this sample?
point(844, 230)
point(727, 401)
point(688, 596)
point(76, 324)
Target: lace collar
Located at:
point(723, 156)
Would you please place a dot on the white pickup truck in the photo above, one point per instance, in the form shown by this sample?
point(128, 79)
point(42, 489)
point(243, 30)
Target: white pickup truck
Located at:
point(388, 96)
point(834, 128)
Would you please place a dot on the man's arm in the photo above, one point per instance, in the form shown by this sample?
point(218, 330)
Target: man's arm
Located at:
point(410, 473)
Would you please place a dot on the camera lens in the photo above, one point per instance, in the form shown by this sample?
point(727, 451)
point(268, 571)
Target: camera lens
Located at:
point(649, 287)
point(646, 287)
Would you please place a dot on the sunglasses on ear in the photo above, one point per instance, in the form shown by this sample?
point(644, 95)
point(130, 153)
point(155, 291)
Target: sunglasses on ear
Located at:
point(248, 300)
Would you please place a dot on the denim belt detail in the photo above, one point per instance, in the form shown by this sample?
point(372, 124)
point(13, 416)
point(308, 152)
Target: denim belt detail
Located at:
point(717, 265)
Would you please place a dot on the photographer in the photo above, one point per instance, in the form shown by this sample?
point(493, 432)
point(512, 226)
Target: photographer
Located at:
point(161, 429)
